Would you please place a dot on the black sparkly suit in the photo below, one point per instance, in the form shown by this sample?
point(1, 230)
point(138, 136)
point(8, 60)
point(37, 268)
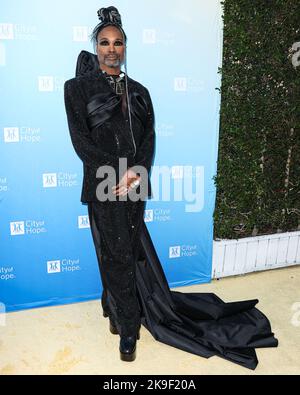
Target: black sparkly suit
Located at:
point(100, 132)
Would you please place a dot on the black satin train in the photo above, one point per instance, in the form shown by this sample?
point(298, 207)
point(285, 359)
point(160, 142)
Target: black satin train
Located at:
point(200, 323)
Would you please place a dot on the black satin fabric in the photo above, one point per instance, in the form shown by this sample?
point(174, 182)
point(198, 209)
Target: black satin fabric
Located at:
point(101, 108)
point(199, 323)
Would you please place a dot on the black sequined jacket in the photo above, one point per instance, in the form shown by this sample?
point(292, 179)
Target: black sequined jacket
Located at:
point(100, 131)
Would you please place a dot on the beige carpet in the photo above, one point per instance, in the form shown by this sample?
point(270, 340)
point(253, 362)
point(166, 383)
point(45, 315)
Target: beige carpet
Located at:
point(74, 339)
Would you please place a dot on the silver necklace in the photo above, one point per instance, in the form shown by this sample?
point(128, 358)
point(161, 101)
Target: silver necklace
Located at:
point(117, 84)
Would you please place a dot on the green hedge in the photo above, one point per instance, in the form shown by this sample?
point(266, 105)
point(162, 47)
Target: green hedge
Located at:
point(258, 174)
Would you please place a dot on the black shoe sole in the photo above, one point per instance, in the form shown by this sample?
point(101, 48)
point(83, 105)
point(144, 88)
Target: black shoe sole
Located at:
point(128, 357)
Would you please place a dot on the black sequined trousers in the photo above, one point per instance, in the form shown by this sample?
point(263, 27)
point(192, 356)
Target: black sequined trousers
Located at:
point(115, 227)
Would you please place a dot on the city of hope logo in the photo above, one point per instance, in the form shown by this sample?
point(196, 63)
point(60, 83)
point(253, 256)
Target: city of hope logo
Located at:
point(17, 228)
point(63, 265)
point(46, 83)
point(53, 266)
point(83, 221)
point(49, 180)
point(148, 215)
point(80, 33)
point(6, 31)
point(174, 252)
point(24, 134)
point(149, 36)
point(28, 227)
point(11, 135)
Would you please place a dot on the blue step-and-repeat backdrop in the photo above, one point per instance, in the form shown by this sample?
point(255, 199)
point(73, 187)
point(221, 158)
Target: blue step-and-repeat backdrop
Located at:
point(47, 256)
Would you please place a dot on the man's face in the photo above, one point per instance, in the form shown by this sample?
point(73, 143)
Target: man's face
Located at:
point(110, 47)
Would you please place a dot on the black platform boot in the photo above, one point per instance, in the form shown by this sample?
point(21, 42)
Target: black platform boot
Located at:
point(128, 348)
point(113, 329)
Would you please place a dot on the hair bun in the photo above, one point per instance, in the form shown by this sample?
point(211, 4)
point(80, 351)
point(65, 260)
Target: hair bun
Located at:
point(109, 14)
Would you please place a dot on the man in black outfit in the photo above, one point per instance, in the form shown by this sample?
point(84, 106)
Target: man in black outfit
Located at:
point(111, 119)
point(110, 116)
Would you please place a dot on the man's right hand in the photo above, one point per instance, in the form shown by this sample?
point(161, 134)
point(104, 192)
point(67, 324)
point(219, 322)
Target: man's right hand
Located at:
point(123, 187)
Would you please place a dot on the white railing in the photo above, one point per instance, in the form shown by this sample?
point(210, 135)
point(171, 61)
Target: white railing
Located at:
point(250, 254)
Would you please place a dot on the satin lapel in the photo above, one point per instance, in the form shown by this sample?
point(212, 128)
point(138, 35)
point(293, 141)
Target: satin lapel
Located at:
point(125, 127)
point(102, 106)
point(105, 104)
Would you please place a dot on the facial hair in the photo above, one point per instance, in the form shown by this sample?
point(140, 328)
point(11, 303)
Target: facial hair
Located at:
point(115, 63)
